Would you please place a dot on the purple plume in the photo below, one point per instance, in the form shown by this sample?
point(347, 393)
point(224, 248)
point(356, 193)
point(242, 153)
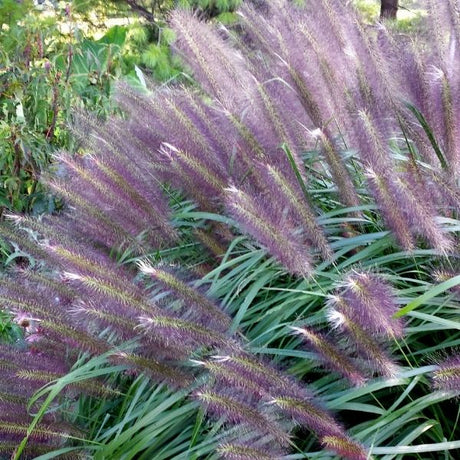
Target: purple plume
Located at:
point(447, 376)
point(271, 228)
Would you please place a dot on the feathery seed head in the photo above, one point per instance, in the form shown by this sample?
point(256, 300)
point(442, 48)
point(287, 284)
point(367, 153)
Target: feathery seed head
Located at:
point(345, 447)
point(260, 217)
point(331, 356)
point(196, 303)
point(366, 345)
point(239, 412)
point(247, 452)
point(309, 414)
point(371, 303)
point(447, 376)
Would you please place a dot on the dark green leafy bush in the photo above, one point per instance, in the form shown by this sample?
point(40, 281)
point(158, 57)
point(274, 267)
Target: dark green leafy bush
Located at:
point(48, 69)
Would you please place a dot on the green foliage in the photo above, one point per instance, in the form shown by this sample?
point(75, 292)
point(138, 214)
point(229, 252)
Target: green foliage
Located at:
point(10, 332)
point(138, 34)
point(216, 5)
point(11, 11)
point(27, 88)
point(369, 9)
point(157, 58)
point(44, 75)
point(398, 416)
point(409, 19)
point(222, 10)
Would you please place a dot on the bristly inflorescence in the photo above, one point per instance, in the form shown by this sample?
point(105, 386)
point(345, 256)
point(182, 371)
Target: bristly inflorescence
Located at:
point(369, 300)
point(447, 376)
point(363, 308)
point(23, 373)
point(331, 356)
